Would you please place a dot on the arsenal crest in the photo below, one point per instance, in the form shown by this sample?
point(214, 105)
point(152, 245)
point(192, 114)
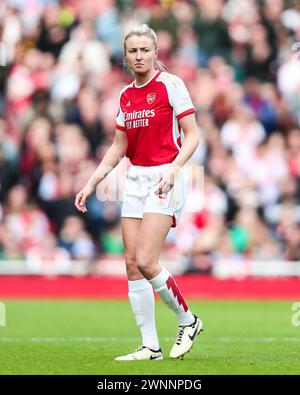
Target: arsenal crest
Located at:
point(151, 97)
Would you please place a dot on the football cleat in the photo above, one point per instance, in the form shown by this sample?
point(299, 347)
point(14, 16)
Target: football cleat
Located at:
point(185, 338)
point(142, 353)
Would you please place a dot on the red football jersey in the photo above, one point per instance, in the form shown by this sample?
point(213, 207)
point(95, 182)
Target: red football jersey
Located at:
point(149, 115)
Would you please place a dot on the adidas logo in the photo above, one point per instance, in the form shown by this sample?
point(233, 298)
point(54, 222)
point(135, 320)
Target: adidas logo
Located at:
point(128, 104)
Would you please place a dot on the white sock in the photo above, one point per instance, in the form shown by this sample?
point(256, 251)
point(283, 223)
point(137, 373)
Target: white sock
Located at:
point(142, 302)
point(167, 289)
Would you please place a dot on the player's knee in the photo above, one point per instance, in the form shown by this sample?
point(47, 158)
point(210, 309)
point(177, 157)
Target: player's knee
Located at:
point(130, 261)
point(144, 263)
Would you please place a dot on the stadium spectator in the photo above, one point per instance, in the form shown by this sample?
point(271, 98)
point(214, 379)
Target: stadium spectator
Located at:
point(47, 258)
point(24, 219)
point(10, 249)
point(74, 238)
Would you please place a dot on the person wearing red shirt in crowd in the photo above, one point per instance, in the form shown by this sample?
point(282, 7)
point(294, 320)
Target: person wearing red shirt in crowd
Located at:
point(153, 111)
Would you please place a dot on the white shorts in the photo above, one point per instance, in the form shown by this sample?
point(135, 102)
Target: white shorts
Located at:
point(139, 196)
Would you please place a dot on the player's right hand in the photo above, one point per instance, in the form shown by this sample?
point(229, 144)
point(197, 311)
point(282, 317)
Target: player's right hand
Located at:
point(81, 198)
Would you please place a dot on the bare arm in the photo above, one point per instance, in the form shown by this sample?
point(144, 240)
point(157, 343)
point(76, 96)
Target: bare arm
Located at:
point(191, 141)
point(110, 160)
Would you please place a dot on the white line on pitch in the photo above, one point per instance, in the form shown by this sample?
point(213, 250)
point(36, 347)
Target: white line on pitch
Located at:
point(100, 339)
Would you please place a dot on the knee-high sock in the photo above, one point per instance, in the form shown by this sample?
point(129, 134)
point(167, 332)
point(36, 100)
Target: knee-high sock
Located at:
point(167, 289)
point(142, 302)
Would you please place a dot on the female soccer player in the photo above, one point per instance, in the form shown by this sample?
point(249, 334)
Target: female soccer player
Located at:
point(153, 110)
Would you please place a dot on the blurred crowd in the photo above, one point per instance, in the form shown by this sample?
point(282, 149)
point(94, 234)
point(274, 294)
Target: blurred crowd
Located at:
point(61, 74)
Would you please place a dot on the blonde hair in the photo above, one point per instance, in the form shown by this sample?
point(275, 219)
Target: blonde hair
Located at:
point(144, 30)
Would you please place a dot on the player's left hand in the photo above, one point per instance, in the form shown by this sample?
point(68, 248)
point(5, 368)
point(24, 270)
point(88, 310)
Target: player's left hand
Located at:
point(166, 181)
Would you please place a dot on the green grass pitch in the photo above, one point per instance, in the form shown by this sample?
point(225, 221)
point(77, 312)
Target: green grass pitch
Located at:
point(83, 337)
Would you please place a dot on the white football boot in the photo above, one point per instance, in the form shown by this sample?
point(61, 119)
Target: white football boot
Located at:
point(185, 338)
point(142, 353)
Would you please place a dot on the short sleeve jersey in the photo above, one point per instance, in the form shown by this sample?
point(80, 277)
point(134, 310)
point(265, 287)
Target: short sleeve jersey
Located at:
point(149, 115)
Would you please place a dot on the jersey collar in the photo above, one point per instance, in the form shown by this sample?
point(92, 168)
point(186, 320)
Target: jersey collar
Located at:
point(148, 82)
